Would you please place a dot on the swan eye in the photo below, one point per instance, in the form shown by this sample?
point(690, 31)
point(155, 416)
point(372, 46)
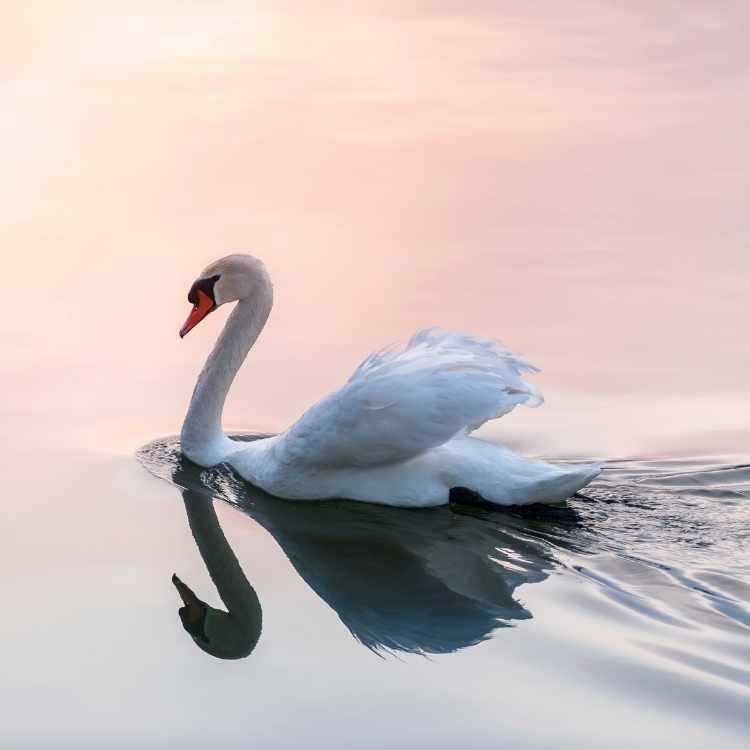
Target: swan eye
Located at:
point(205, 285)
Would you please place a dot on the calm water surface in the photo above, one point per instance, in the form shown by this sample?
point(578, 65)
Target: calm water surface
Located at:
point(571, 180)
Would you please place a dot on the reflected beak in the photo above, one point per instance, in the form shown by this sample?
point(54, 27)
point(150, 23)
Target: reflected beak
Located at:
point(185, 592)
point(194, 609)
point(202, 307)
point(193, 614)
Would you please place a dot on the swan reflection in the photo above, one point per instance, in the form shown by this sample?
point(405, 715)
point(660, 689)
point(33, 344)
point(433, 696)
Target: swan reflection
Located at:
point(426, 581)
point(226, 635)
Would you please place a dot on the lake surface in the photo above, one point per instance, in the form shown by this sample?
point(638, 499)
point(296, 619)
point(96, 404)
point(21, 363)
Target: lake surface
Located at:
point(572, 181)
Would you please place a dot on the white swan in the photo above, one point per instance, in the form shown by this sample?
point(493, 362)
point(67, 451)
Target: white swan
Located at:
point(396, 433)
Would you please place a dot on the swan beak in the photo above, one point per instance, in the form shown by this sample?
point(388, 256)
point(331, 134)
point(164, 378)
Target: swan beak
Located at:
point(193, 605)
point(202, 307)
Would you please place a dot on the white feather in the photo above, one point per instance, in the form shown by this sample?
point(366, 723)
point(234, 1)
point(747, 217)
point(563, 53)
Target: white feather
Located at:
point(405, 400)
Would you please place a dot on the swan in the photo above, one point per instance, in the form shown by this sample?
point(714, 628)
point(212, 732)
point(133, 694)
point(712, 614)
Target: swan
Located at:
point(396, 433)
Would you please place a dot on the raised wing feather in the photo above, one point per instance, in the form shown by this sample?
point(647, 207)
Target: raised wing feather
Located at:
point(404, 400)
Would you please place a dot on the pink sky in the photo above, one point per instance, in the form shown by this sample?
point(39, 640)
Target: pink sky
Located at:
point(571, 178)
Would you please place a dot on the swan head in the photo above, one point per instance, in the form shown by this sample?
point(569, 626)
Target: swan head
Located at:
point(214, 631)
point(229, 279)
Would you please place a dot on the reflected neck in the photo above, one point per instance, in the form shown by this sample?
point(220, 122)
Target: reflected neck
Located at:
point(202, 437)
point(235, 590)
point(234, 633)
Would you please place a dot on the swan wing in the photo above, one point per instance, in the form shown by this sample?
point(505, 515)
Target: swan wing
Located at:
point(405, 400)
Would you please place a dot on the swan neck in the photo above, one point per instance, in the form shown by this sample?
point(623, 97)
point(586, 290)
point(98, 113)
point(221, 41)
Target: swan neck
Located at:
point(202, 436)
point(238, 595)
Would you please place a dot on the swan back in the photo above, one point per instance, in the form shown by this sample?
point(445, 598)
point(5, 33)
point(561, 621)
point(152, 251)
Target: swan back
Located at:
point(403, 401)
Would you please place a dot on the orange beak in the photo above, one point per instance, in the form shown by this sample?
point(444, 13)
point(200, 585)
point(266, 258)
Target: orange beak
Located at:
point(202, 307)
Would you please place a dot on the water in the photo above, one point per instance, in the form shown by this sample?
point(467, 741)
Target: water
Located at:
point(623, 620)
point(570, 180)
point(646, 582)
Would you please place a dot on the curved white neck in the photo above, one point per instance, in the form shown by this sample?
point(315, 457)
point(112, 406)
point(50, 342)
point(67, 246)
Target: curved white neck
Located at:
point(202, 438)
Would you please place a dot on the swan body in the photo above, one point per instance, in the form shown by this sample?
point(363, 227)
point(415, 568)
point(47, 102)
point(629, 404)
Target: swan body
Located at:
point(396, 433)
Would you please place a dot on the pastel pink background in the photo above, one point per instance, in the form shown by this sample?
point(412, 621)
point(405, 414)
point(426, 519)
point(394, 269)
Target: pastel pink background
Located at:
point(569, 177)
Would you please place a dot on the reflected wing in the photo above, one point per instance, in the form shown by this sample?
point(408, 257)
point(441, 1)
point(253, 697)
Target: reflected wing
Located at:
point(403, 401)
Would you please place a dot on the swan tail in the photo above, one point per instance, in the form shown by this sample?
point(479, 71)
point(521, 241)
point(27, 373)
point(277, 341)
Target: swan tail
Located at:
point(565, 484)
point(502, 477)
